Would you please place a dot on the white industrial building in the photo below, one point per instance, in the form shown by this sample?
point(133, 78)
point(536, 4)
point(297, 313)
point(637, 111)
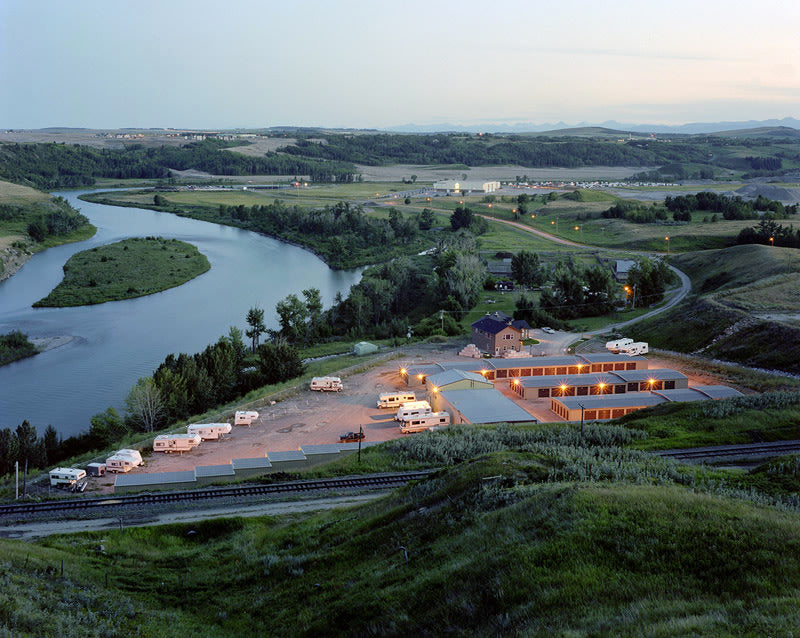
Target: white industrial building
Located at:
point(464, 186)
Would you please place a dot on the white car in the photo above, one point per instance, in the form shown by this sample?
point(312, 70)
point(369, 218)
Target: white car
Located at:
point(549, 331)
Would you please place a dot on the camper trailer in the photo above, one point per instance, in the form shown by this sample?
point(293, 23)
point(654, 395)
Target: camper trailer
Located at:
point(615, 346)
point(123, 461)
point(209, 431)
point(395, 399)
point(633, 349)
point(66, 476)
point(96, 469)
point(175, 442)
point(327, 384)
point(425, 422)
point(245, 418)
point(412, 409)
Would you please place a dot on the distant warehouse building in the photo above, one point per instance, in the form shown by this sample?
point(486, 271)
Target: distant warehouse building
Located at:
point(604, 407)
point(466, 186)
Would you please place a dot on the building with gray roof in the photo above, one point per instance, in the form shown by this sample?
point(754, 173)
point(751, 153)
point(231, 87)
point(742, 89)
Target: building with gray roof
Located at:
point(481, 406)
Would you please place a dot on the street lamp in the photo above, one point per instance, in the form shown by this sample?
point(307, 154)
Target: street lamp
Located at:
point(651, 382)
point(667, 240)
point(771, 241)
point(582, 409)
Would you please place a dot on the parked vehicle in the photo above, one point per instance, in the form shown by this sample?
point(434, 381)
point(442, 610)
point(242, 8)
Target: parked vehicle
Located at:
point(123, 461)
point(548, 330)
point(615, 346)
point(245, 418)
point(352, 437)
point(633, 349)
point(209, 431)
point(66, 476)
point(425, 422)
point(96, 469)
point(395, 399)
point(327, 384)
point(175, 442)
point(412, 409)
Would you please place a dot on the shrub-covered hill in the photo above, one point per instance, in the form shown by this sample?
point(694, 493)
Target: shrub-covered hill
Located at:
point(745, 307)
point(549, 538)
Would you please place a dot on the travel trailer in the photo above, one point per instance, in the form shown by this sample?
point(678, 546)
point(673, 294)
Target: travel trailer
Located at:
point(66, 476)
point(634, 349)
point(123, 461)
point(245, 418)
point(395, 399)
point(614, 346)
point(175, 442)
point(412, 409)
point(209, 431)
point(425, 422)
point(327, 384)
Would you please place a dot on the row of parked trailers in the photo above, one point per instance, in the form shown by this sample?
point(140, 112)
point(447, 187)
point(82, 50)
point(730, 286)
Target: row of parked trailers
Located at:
point(196, 433)
point(413, 415)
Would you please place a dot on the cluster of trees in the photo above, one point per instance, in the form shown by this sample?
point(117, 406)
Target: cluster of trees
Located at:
point(770, 232)
point(15, 345)
point(648, 280)
point(341, 233)
point(636, 212)
point(50, 166)
point(463, 217)
point(579, 292)
point(55, 217)
point(23, 445)
point(728, 207)
point(527, 270)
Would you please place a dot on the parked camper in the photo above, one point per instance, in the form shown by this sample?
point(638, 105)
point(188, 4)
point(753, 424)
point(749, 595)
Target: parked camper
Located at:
point(175, 442)
point(327, 384)
point(66, 476)
point(123, 461)
point(96, 469)
point(632, 349)
point(614, 346)
point(425, 422)
point(395, 399)
point(412, 409)
point(245, 418)
point(209, 431)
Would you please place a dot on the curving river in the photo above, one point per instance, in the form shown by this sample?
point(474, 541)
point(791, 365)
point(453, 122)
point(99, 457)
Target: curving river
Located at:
point(117, 342)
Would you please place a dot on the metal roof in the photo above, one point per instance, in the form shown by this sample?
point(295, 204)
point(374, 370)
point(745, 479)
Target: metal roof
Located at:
point(251, 463)
point(533, 362)
point(572, 380)
point(608, 401)
point(154, 478)
point(492, 326)
point(717, 391)
point(322, 448)
point(206, 471)
point(454, 375)
point(289, 455)
point(486, 406)
point(682, 394)
point(424, 369)
point(659, 374)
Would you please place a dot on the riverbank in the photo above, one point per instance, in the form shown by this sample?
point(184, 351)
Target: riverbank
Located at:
point(124, 270)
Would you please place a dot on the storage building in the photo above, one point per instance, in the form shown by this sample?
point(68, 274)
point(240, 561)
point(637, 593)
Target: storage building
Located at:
point(154, 481)
point(598, 383)
point(481, 406)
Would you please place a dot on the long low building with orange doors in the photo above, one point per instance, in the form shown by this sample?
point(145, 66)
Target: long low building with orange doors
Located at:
point(598, 383)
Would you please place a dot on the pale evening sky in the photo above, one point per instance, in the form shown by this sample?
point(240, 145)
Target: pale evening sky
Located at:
point(354, 63)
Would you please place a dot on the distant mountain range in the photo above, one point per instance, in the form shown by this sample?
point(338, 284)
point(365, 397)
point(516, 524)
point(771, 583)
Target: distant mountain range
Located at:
point(529, 127)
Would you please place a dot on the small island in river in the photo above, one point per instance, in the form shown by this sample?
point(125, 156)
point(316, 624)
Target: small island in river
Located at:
point(126, 269)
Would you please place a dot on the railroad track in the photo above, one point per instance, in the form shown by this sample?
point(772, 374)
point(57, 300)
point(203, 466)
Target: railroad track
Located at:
point(371, 481)
point(775, 448)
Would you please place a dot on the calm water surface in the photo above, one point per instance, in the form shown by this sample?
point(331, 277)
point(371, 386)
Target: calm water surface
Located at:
point(118, 342)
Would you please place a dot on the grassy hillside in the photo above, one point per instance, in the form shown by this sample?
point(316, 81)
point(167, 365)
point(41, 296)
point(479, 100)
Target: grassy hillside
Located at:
point(538, 538)
point(744, 308)
point(126, 269)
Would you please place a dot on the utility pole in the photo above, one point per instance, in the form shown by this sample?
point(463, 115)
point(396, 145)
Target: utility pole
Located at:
point(360, 436)
point(16, 482)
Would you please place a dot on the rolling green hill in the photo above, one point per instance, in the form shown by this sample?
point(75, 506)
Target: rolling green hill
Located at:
point(745, 308)
point(544, 538)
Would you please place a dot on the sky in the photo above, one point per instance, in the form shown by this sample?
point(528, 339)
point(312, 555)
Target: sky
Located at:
point(373, 64)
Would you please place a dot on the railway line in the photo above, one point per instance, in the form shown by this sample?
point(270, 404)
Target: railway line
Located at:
point(775, 448)
point(372, 481)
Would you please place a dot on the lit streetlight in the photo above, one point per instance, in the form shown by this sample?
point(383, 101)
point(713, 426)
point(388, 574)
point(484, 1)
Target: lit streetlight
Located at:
point(771, 241)
point(667, 240)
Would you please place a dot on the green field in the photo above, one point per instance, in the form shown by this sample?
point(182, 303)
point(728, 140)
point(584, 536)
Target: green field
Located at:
point(126, 269)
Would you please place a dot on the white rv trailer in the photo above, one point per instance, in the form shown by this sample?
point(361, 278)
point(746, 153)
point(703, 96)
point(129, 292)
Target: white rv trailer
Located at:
point(633, 349)
point(425, 422)
point(327, 384)
point(412, 409)
point(395, 399)
point(614, 346)
point(175, 442)
point(66, 476)
point(209, 431)
point(123, 461)
point(245, 418)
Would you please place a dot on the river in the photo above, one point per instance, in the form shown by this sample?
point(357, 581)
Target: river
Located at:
point(117, 342)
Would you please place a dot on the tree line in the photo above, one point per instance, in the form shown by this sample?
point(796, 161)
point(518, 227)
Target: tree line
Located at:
point(50, 166)
point(771, 233)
